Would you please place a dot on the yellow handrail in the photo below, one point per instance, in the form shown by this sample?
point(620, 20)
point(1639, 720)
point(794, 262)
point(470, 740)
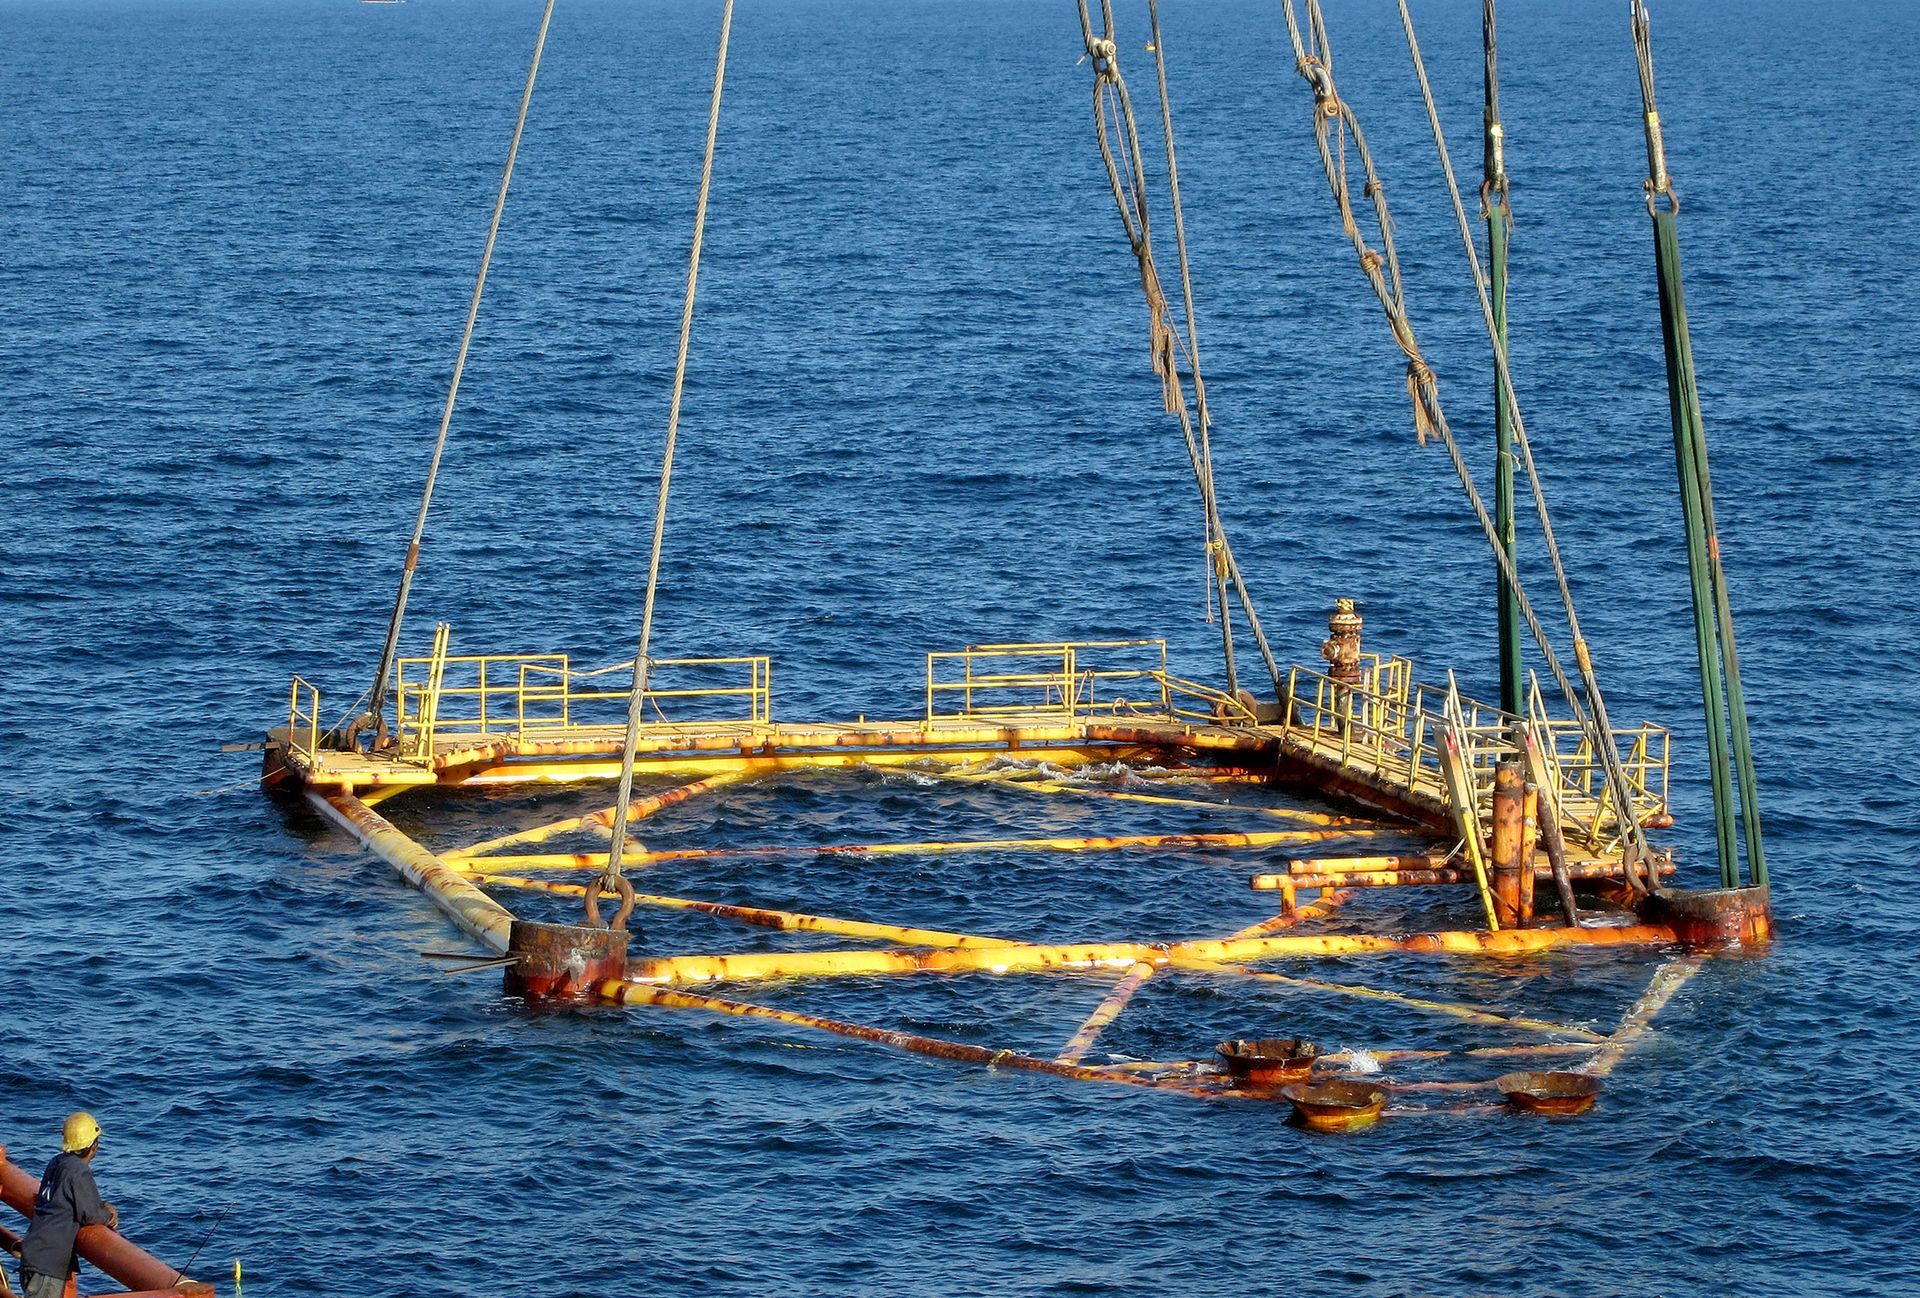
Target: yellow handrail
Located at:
point(1041, 678)
point(535, 695)
point(303, 724)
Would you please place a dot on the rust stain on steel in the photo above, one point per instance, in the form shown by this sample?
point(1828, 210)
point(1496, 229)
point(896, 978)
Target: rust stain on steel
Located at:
point(1713, 917)
point(562, 962)
point(1524, 941)
point(1363, 864)
point(1564, 1094)
point(1384, 878)
point(1508, 855)
point(1270, 1062)
point(1335, 1105)
point(1298, 765)
point(1168, 735)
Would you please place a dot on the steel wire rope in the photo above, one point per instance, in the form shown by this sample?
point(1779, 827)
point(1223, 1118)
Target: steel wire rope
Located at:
point(642, 664)
point(1110, 98)
point(1191, 344)
point(1314, 63)
point(378, 693)
point(1186, 340)
point(1601, 730)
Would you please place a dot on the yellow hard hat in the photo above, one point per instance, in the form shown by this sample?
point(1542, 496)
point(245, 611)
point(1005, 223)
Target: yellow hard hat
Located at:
point(79, 1134)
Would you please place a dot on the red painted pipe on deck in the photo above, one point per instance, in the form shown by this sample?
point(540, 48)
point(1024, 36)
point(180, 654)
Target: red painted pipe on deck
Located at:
point(115, 1254)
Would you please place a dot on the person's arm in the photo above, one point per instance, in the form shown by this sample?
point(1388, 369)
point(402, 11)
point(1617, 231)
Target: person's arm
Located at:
point(89, 1209)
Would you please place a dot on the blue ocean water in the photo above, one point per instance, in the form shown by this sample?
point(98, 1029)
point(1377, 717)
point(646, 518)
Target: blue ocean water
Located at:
point(236, 240)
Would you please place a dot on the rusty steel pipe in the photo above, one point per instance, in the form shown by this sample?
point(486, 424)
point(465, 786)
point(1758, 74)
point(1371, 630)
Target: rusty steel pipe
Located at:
point(1529, 844)
point(113, 1253)
point(1506, 843)
point(628, 992)
point(1361, 864)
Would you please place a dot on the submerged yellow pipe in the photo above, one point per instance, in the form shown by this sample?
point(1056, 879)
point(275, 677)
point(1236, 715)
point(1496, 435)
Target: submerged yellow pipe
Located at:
point(598, 860)
point(762, 917)
point(1107, 1011)
point(1117, 1000)
point(1327, 903)
point(478, 915)
point(1054, 786)
point(1634, 1024)
point(1469, 1013)
point(638, 809)
point(1124, 955)
point(627, 992)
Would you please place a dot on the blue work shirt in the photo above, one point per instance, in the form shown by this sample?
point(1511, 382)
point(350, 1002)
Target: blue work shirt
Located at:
point(68, 1200)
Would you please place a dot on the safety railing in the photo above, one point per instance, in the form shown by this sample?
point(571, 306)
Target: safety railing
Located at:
point(1586, 796)
point(303, 718)
point(1059, 680)
point(1216, 706)
point(1387, 725)
point(1376, 723)
point(541, 697)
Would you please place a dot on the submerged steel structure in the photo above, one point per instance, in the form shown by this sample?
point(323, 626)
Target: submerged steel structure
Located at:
point(1535, 821)
point(1402, 759)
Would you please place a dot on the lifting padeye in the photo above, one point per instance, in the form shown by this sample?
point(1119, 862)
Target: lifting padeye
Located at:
point(1486, 801)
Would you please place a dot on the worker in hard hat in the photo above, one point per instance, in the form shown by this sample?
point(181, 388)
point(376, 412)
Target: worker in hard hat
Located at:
point(68, 1200)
